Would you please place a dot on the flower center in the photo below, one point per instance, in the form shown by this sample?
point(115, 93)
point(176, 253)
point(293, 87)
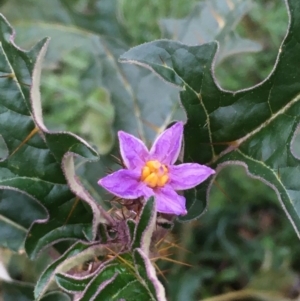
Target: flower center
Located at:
point(155, 174)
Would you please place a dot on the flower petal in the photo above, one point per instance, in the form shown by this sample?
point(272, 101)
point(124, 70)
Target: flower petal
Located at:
point(125, 184)
point(167, 146)
point(168, 201)
point(133, 150)
point(188, 175)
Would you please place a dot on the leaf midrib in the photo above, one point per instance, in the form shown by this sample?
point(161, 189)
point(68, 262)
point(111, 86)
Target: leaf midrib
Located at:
point(237, 143)
point(13, 223)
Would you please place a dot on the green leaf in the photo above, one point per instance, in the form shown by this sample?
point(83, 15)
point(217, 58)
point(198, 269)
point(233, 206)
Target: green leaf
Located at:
point(212, 20)
point(13, 225)
point(120, 279)
point(131, 290)
point(131, 228)
point(147, 272)
point(72, 284)
point(39, 163)
point(77, 254)
point(136, 106)
point(145, 226)
point(110, 282)
point(135, 103)
point(127, 93)
point(254, 128)
point(117, 278)
point(47, 277)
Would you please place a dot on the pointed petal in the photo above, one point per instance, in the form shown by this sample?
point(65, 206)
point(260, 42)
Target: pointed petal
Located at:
point(125, 184)
point(168, 201)
point(167, 146)
point(133, 150)
point(188, 175)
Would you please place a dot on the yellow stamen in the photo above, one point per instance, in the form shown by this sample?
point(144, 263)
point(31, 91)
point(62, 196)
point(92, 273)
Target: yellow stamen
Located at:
point(145, 172)
point(154, 174)
point(162, 180)
point(151, 180)
point(153, 165)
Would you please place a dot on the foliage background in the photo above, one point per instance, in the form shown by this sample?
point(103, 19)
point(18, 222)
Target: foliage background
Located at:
point(245, 239)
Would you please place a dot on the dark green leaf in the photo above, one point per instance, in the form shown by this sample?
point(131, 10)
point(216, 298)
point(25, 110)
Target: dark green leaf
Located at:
point(131, 227)
point(135, 104)
point(147, 272)
point(71, 284)
point(106, 275)
point(131, 291)
point(254, 128)
point(36, 156)
point(120, 279)
point(47, 276)
point(13, 225)
point(73, 257)
point(145, 226)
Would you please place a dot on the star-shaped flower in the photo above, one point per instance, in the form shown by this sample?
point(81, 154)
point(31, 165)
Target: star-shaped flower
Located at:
point(153, 173)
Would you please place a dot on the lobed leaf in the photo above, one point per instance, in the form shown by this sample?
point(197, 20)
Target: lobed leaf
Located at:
point(127, 93)
point(254, 128)
point(39, 162)
point(135, 105)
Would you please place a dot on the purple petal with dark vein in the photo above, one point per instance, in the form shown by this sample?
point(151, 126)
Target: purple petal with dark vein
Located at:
point(168, 201)
point(188, 175)
point(167, 146)
point(133, 151)
point(126, 184)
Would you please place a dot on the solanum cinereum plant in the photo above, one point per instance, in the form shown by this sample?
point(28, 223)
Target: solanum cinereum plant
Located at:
point(116, 247)
point(255, 128)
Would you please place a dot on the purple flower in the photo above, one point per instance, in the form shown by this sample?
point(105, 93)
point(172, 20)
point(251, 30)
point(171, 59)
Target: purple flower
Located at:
point(153, 173)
